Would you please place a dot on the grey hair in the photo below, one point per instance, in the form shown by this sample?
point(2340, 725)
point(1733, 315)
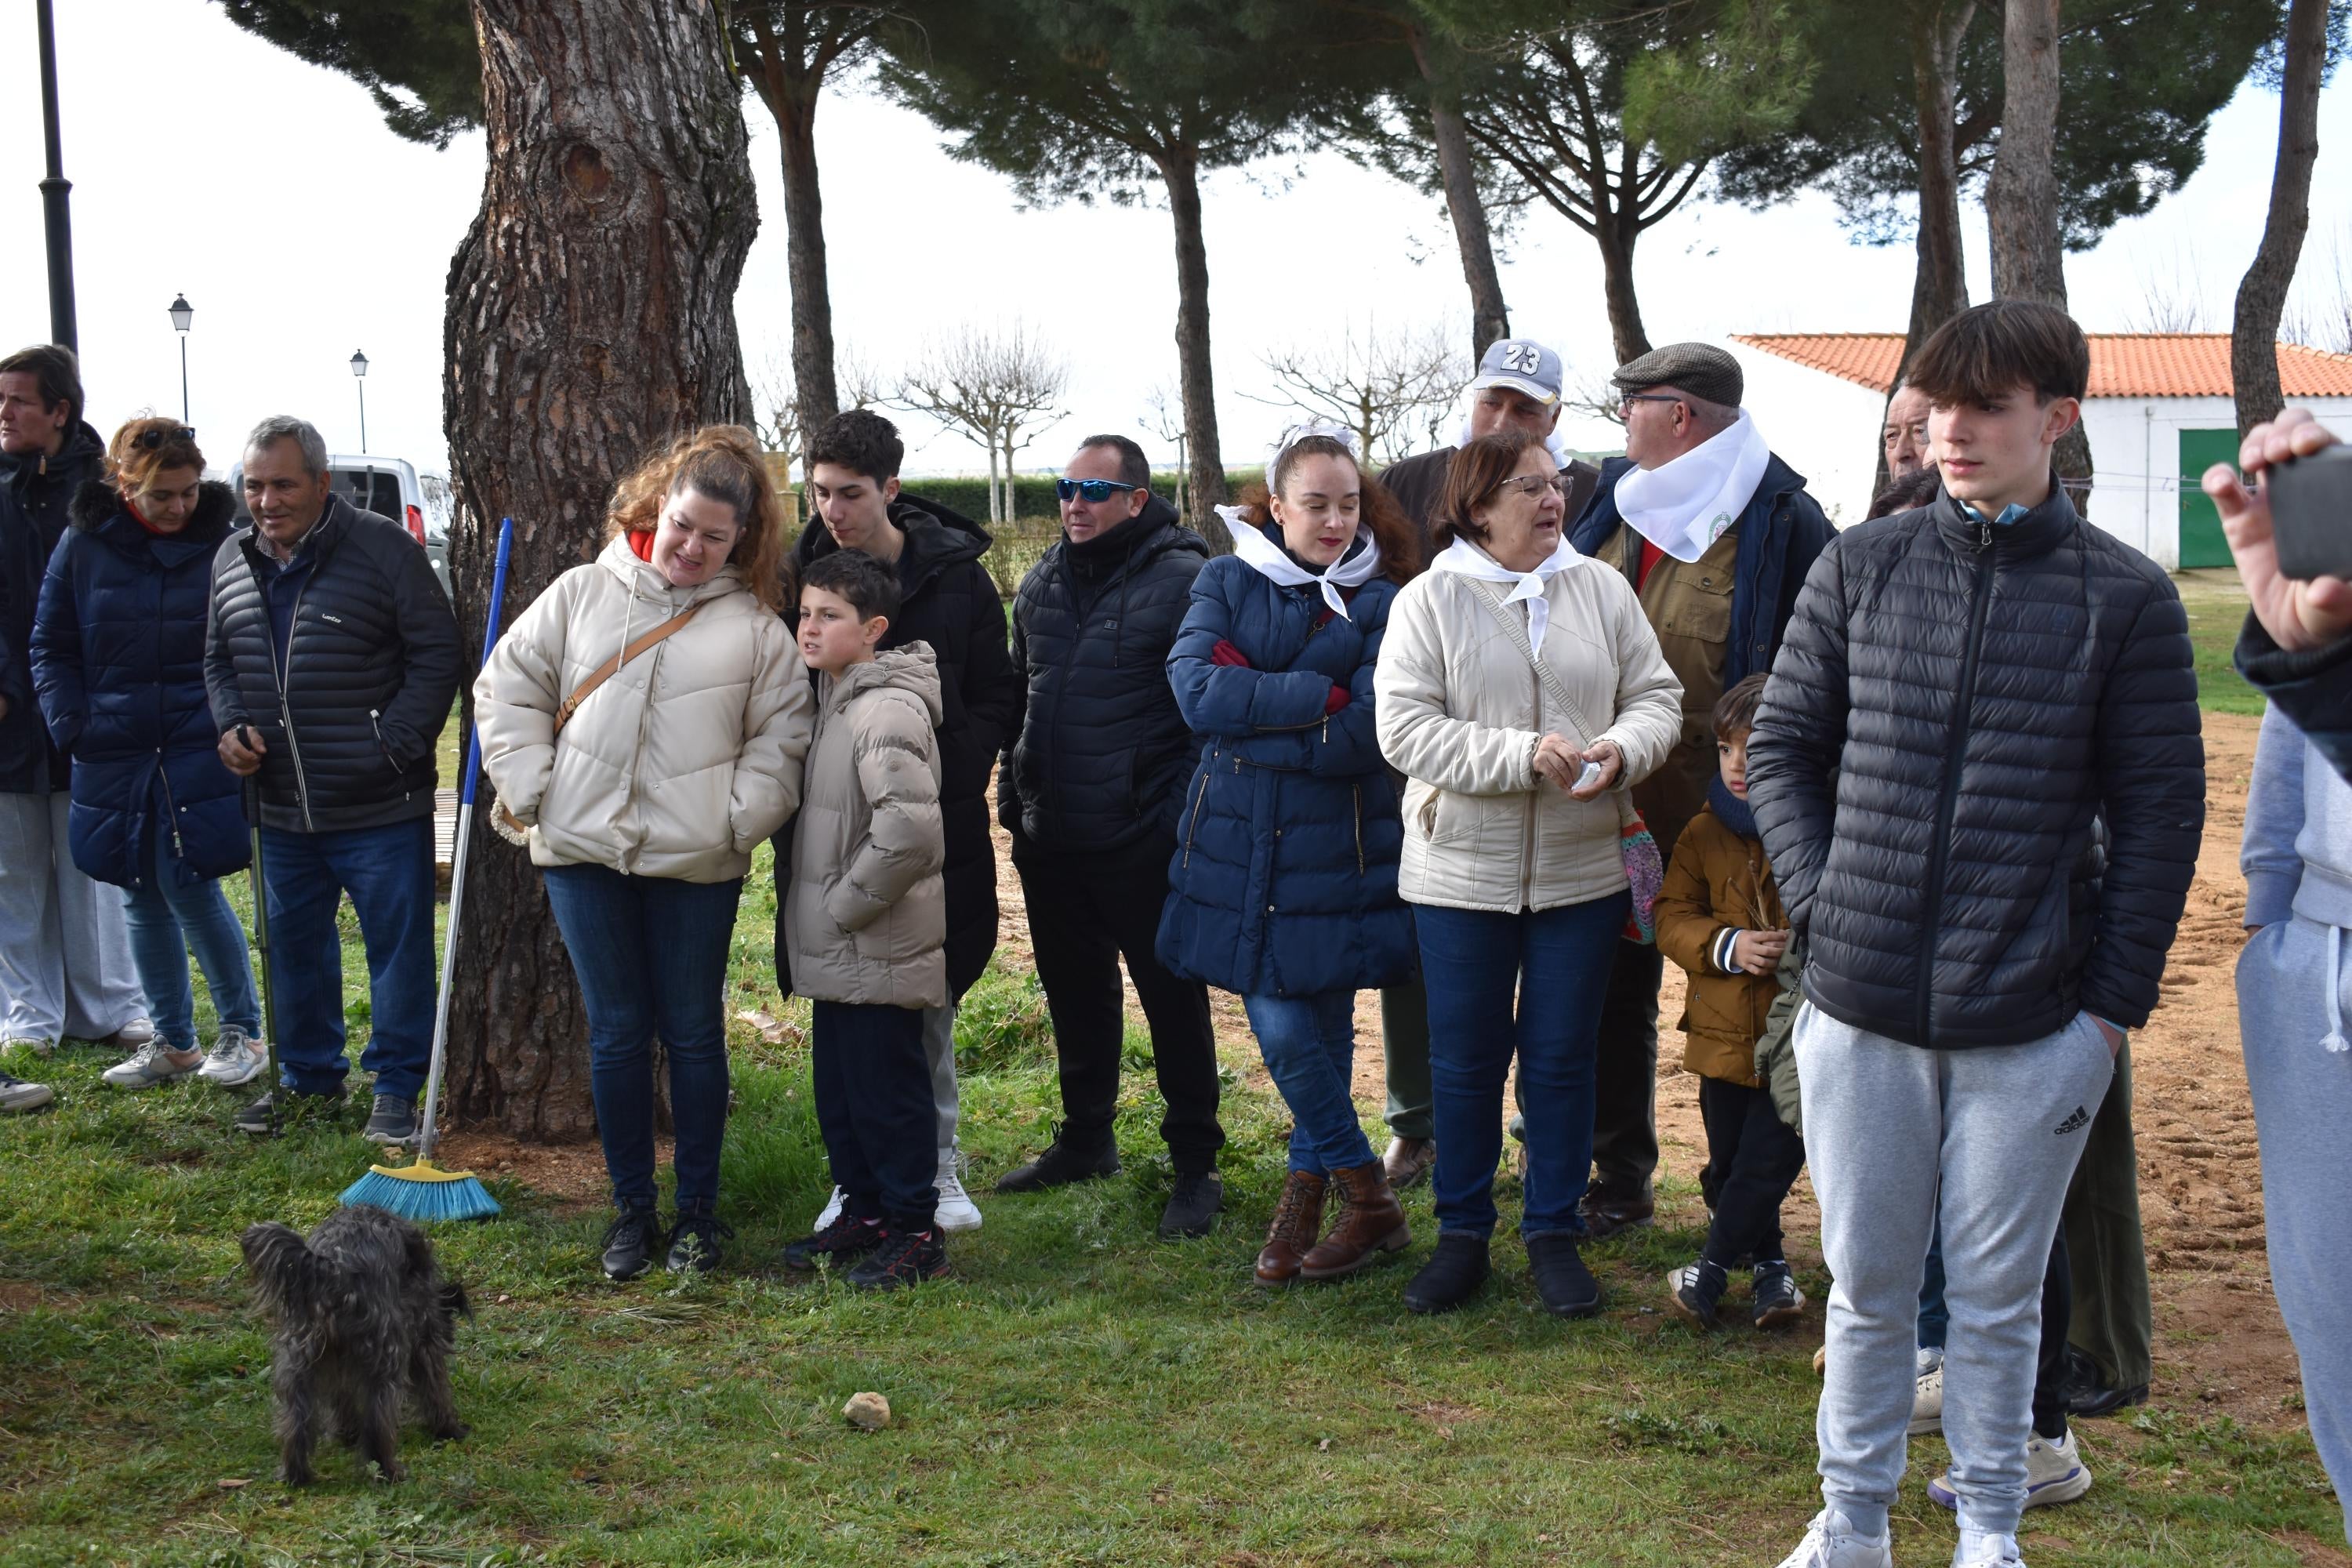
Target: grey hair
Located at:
point(302, 432)
point(1712, 418)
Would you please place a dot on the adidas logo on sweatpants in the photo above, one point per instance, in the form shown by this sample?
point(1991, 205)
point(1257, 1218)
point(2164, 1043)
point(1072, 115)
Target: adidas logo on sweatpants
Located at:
point(2075, 1123)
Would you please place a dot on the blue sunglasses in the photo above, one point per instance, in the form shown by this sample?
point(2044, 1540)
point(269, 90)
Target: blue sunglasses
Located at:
point(1093, 489)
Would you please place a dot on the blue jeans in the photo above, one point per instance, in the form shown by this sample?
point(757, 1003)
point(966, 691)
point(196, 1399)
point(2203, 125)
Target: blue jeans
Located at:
point(1309, 1046)
point(651, 955)
point(167, 922)
point(388, 871)
point(1554, 963)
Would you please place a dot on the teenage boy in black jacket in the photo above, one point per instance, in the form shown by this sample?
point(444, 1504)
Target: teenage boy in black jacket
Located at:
point(1966, 694)
point(946, 599)
point(1091, 791)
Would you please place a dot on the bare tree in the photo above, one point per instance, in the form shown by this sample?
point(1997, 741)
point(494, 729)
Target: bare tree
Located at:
point(2171, 301)
point(2262, 293)
point(1165, 419)
point(2322, 318)
point(1375, 383)
point(997, 386)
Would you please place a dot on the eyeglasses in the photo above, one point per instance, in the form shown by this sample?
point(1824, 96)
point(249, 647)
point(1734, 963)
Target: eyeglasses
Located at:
point(155, 436)
point(1096, 490)
point(1533, 485)
point(1625, 403)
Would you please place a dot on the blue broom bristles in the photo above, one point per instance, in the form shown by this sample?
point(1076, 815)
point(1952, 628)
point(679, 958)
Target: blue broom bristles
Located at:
point(423, 1193)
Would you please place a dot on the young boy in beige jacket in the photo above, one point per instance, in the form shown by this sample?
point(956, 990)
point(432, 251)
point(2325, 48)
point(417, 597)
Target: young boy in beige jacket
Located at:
point(865, 922)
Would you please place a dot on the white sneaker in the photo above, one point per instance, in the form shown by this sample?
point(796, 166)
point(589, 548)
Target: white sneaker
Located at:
point(1982, 1549)
point(956, 1210)
point(832, 1209)
point(1926, 1359)
point(134, 1036)
point(155, 1063)
point(30, 1043)
point(2055, 1472)
point(237, 1059)
point(1831, 1542)
point(1927, 1402)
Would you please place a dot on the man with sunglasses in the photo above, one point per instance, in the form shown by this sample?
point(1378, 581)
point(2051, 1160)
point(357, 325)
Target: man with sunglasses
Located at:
point(1091, 790)
point(1716, 534)
point(65, 946)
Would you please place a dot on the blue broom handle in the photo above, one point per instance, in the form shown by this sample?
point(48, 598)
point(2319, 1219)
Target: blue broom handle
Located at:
point(427, 1135)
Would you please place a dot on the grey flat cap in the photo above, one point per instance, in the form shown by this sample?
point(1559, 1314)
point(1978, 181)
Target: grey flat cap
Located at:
point(1704, 371)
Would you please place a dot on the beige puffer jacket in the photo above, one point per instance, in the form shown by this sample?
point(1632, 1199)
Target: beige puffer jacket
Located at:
point(1461, 711)
point(866, 917)
point(681, 762)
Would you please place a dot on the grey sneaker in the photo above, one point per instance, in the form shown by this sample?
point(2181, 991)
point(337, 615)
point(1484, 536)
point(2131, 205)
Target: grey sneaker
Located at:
point(153, 1063)
point(16, 1094)
point(135, 1036)
point(237, 1059)
point(394, 1121)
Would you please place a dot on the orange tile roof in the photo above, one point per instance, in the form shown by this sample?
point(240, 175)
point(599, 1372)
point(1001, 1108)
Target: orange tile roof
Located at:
point(2123, 364)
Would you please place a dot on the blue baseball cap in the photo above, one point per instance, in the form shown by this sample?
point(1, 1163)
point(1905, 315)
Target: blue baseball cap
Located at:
point(1523, 365)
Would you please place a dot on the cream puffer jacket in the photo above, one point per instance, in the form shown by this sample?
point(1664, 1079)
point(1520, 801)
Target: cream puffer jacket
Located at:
point(1461, 711)
point(681, 762)
point(865, 918)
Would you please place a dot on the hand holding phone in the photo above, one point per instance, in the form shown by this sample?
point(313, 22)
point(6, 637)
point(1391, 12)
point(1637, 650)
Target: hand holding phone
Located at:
point(2299, 613)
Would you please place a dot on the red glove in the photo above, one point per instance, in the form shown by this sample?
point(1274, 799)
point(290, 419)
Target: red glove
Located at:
point(1226, 653)
point(1337, 700)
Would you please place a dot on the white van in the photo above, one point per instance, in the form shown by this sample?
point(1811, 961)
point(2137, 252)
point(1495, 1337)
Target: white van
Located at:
point(389, 486)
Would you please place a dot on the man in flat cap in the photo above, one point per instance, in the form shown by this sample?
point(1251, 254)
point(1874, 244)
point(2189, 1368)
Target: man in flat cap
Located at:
point(1716, 534)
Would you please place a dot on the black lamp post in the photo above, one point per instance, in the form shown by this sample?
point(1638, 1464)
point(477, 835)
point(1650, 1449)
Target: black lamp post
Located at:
point(359, 375)
point(182, 314)
point(54, 190)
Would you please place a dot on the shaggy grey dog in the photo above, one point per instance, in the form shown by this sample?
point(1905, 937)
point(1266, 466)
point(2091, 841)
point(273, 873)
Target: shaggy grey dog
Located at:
point(360, 1317)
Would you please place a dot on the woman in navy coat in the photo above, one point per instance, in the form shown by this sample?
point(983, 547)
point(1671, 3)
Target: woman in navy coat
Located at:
point(117, 664)
point(1284, 886)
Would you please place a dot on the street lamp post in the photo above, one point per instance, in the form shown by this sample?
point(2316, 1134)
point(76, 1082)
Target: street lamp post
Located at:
point(182, 314)
point(359, 375)
point(55, 219)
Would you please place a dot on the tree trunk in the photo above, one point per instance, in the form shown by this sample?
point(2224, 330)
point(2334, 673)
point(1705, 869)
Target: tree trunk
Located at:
point(590, 317)
point(1616, 233)
point(1179, 171)
point(2029, 255)
point(2262, 293)
point(1940, 287)
point(1490, 319)
point(1008, 477)
point(814, 398)
point(988, 440)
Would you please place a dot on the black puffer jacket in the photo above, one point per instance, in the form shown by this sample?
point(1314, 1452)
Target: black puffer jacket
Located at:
point(948, 601)
point(371, 670)
point(1956, 710)
point(1099, 755)
point(35, 493)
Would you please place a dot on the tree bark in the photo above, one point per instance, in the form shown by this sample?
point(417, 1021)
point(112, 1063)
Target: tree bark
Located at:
point(2262, 293)
point(1180, 172)
point(2029, 255)
point(590, 318)
point(1616, 234)
point(1490, 319)
point(1940, 287)
point(814, 398)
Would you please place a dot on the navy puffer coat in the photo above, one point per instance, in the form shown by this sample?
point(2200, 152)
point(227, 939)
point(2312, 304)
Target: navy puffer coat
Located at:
point(1285, 876)
point(119, 663)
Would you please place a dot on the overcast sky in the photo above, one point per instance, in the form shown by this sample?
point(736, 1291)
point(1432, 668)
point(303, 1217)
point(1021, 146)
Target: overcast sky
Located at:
point(205, 160)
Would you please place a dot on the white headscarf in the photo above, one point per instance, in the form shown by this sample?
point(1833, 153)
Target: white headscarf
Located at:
point(1467, 559)
point(1685, 505)
point(1275, 565)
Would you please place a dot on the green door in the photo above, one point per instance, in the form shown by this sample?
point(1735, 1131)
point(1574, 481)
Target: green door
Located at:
point(2202, 544)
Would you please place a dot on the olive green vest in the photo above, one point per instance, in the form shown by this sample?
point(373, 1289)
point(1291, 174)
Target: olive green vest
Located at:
point(1689, 606)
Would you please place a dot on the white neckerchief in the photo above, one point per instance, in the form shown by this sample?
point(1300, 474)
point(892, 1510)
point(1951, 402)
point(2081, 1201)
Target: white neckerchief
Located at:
point(1685, 505)
point(1275, 565)
point(1467, 559)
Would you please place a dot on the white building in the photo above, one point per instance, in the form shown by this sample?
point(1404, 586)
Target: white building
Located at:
point(2159, 415)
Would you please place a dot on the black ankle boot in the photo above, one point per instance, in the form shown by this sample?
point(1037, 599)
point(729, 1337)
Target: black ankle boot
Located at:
point(1450, 1276)
point(1565, 1284)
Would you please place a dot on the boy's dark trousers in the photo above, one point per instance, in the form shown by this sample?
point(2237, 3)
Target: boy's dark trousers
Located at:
point(874, 1107)
point(1752, 1161)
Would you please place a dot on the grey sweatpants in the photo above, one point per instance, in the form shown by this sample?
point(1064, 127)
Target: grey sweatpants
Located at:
point(2303, 1106)
point(1996, 1129)
point(65, 945)
point(939, 1053)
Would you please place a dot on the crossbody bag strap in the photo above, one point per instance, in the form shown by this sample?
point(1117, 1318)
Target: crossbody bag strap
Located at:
point(611, 666)
point(1553, 686)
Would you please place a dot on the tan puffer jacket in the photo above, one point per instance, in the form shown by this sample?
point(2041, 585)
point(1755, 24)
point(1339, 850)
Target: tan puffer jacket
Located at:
point(866, 917)
point(1461, 711)
point(681, 762)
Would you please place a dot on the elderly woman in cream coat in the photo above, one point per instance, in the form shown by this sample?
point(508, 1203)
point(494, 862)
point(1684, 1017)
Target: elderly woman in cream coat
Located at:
point(1513, 858)
point(645, 791)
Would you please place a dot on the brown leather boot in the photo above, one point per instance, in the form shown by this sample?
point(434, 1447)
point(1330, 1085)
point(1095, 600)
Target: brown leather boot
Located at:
point(1297, 1215)
point(1369, 1224)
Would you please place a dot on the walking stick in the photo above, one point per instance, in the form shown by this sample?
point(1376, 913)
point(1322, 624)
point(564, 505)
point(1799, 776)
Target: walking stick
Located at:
point(252, 795)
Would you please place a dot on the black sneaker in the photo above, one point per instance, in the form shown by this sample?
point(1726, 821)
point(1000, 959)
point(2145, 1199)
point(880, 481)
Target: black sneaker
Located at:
point(393, 1120)
point(1192, 1205)
point(904, 1258)
point(846, 1237)
point(1776, 1301)
point(1450, 1276)
point(1565, 1284)
point(1062, 1162)
point(256, 1118)
point(694, 1244)
point(1694, 1290)
point(630, 1242)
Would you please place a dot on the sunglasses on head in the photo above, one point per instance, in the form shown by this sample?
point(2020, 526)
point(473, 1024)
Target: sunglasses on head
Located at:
point(149, 439)
point(1091, 489)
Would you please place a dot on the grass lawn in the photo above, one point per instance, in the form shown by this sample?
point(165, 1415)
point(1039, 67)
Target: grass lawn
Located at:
point(2217, 609)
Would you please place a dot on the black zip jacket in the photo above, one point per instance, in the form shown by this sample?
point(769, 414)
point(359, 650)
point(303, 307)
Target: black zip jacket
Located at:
point(35, 495)
point(1957, 712)
point(2314, 687)
point(370, 668)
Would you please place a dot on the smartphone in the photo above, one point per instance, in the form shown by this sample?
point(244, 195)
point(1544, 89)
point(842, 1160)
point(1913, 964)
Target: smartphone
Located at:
point(2311, 514)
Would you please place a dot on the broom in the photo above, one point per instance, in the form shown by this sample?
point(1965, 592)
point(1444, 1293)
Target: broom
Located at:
point(424, 1191)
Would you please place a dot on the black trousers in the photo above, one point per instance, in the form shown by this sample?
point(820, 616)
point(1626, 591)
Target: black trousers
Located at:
point(874, 1107)
point(1752, 1161)
point(1625, 1084)
point(1086, 913)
